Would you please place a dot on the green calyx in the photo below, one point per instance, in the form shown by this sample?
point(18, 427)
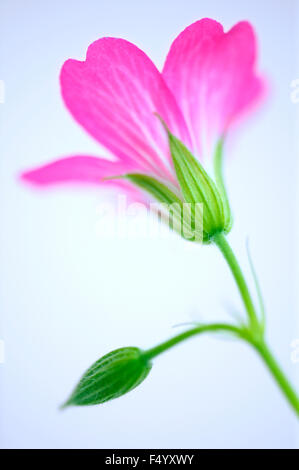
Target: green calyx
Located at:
point(112, 376)
point(198, 188)
point(200, 210)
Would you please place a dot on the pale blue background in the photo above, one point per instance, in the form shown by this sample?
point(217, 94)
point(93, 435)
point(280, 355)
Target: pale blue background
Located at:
point(68, 296)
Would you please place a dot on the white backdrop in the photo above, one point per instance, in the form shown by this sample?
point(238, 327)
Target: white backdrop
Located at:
point(69, 295)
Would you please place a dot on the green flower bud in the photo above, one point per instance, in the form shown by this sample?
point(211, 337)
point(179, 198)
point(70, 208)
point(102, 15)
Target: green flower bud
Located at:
point(113, 375)
point(198, 187)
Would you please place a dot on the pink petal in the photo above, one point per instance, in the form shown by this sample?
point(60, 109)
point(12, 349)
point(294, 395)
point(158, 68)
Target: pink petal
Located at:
point(212, 75)
point(114, 94)
point(79, 169)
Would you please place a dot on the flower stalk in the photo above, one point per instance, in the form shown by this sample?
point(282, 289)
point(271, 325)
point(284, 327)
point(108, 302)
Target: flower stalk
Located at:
point(255, 332)
point(282, 381)
point(243, 333)
point(252, 333)
point(222, 243)
point(209, 328)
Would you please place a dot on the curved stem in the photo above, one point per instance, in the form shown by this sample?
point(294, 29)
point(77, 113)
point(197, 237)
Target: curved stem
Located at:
point(213, 327)
point(255, 329)
point(278, 375)
point(223, 245)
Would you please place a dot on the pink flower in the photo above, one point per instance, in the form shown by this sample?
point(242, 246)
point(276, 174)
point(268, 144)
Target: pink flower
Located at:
point(208, 82)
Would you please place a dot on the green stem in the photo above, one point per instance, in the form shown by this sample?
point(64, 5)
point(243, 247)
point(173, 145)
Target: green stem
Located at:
point(278, 375)
point(231, 259)
point(255, 328)
point(259, 346)
point(213, 327)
